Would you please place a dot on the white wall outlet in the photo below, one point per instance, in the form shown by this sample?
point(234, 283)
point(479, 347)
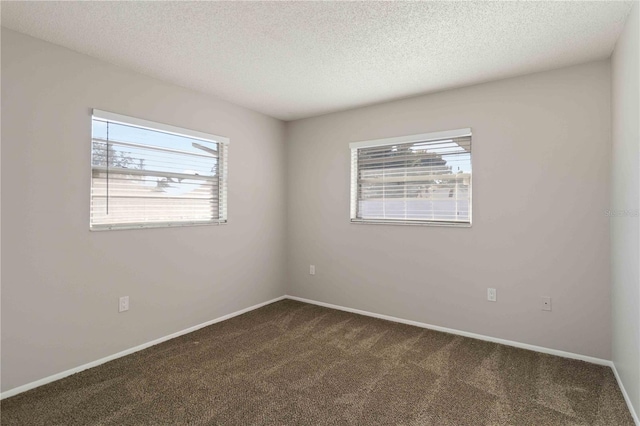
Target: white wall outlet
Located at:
point(546, 304)
point(492, 295)
point(124, 304)
point(312, 269)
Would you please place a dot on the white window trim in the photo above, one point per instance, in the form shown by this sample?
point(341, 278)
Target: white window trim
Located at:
point(423, 137)
point(175, 130)
point(152, 125)
point(151, 225)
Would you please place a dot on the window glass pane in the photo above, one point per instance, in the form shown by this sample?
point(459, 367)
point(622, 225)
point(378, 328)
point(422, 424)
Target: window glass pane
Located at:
point(414, 182)
point(143, 177)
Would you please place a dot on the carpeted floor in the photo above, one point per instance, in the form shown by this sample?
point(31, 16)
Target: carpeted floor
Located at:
point(291, 363)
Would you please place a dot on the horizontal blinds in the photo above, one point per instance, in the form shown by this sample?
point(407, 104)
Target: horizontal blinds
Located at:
point(414, 182)
point(222, 194)
point(143, 177)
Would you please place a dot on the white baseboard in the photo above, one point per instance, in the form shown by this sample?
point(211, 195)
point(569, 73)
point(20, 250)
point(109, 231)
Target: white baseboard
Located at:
point(63, 374)
point(58, 376)
point(535, 348)
point(625, 395)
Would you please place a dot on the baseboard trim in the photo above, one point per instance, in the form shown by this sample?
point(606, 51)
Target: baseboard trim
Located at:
point(625, 394)
point(541, 349)
point(520, 345)
point(63, 374)
point(515, 344)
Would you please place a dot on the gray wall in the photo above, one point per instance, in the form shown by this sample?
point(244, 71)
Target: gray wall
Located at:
point(541, 153)
point(625, 191)
point(60, 282)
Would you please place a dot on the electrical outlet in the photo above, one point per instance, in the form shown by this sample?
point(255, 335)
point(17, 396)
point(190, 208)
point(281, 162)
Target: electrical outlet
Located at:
point(124, 304)
point(492, 295)
point(312, 269)
point(546, 304)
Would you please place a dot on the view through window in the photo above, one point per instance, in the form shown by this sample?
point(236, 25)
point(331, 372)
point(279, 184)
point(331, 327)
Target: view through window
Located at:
point(419, 179)
point(148, 174)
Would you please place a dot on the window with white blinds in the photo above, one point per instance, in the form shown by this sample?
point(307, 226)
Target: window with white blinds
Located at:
point(419, 179)
point(146, 174)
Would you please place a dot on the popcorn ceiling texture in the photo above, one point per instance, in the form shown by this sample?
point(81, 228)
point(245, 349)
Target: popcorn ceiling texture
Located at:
point(299, 59)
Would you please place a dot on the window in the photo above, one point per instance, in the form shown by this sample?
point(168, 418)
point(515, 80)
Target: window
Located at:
point(419, 179)
point(146, 174)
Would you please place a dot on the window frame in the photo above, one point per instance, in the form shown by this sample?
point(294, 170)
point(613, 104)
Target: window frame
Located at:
point(423, 137)
point(222, 194)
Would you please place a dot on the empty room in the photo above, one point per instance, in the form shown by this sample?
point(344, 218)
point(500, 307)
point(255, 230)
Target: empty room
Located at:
point(320, 213)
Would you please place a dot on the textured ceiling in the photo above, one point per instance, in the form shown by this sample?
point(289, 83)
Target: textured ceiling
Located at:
point(298, 59)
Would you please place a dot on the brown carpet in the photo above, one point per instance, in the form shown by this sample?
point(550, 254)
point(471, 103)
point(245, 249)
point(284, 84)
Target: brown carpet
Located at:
point(291, 363)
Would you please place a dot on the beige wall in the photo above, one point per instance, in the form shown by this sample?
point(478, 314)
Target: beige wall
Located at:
point(625, 192)
point(541, 153)
point(60, 282)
